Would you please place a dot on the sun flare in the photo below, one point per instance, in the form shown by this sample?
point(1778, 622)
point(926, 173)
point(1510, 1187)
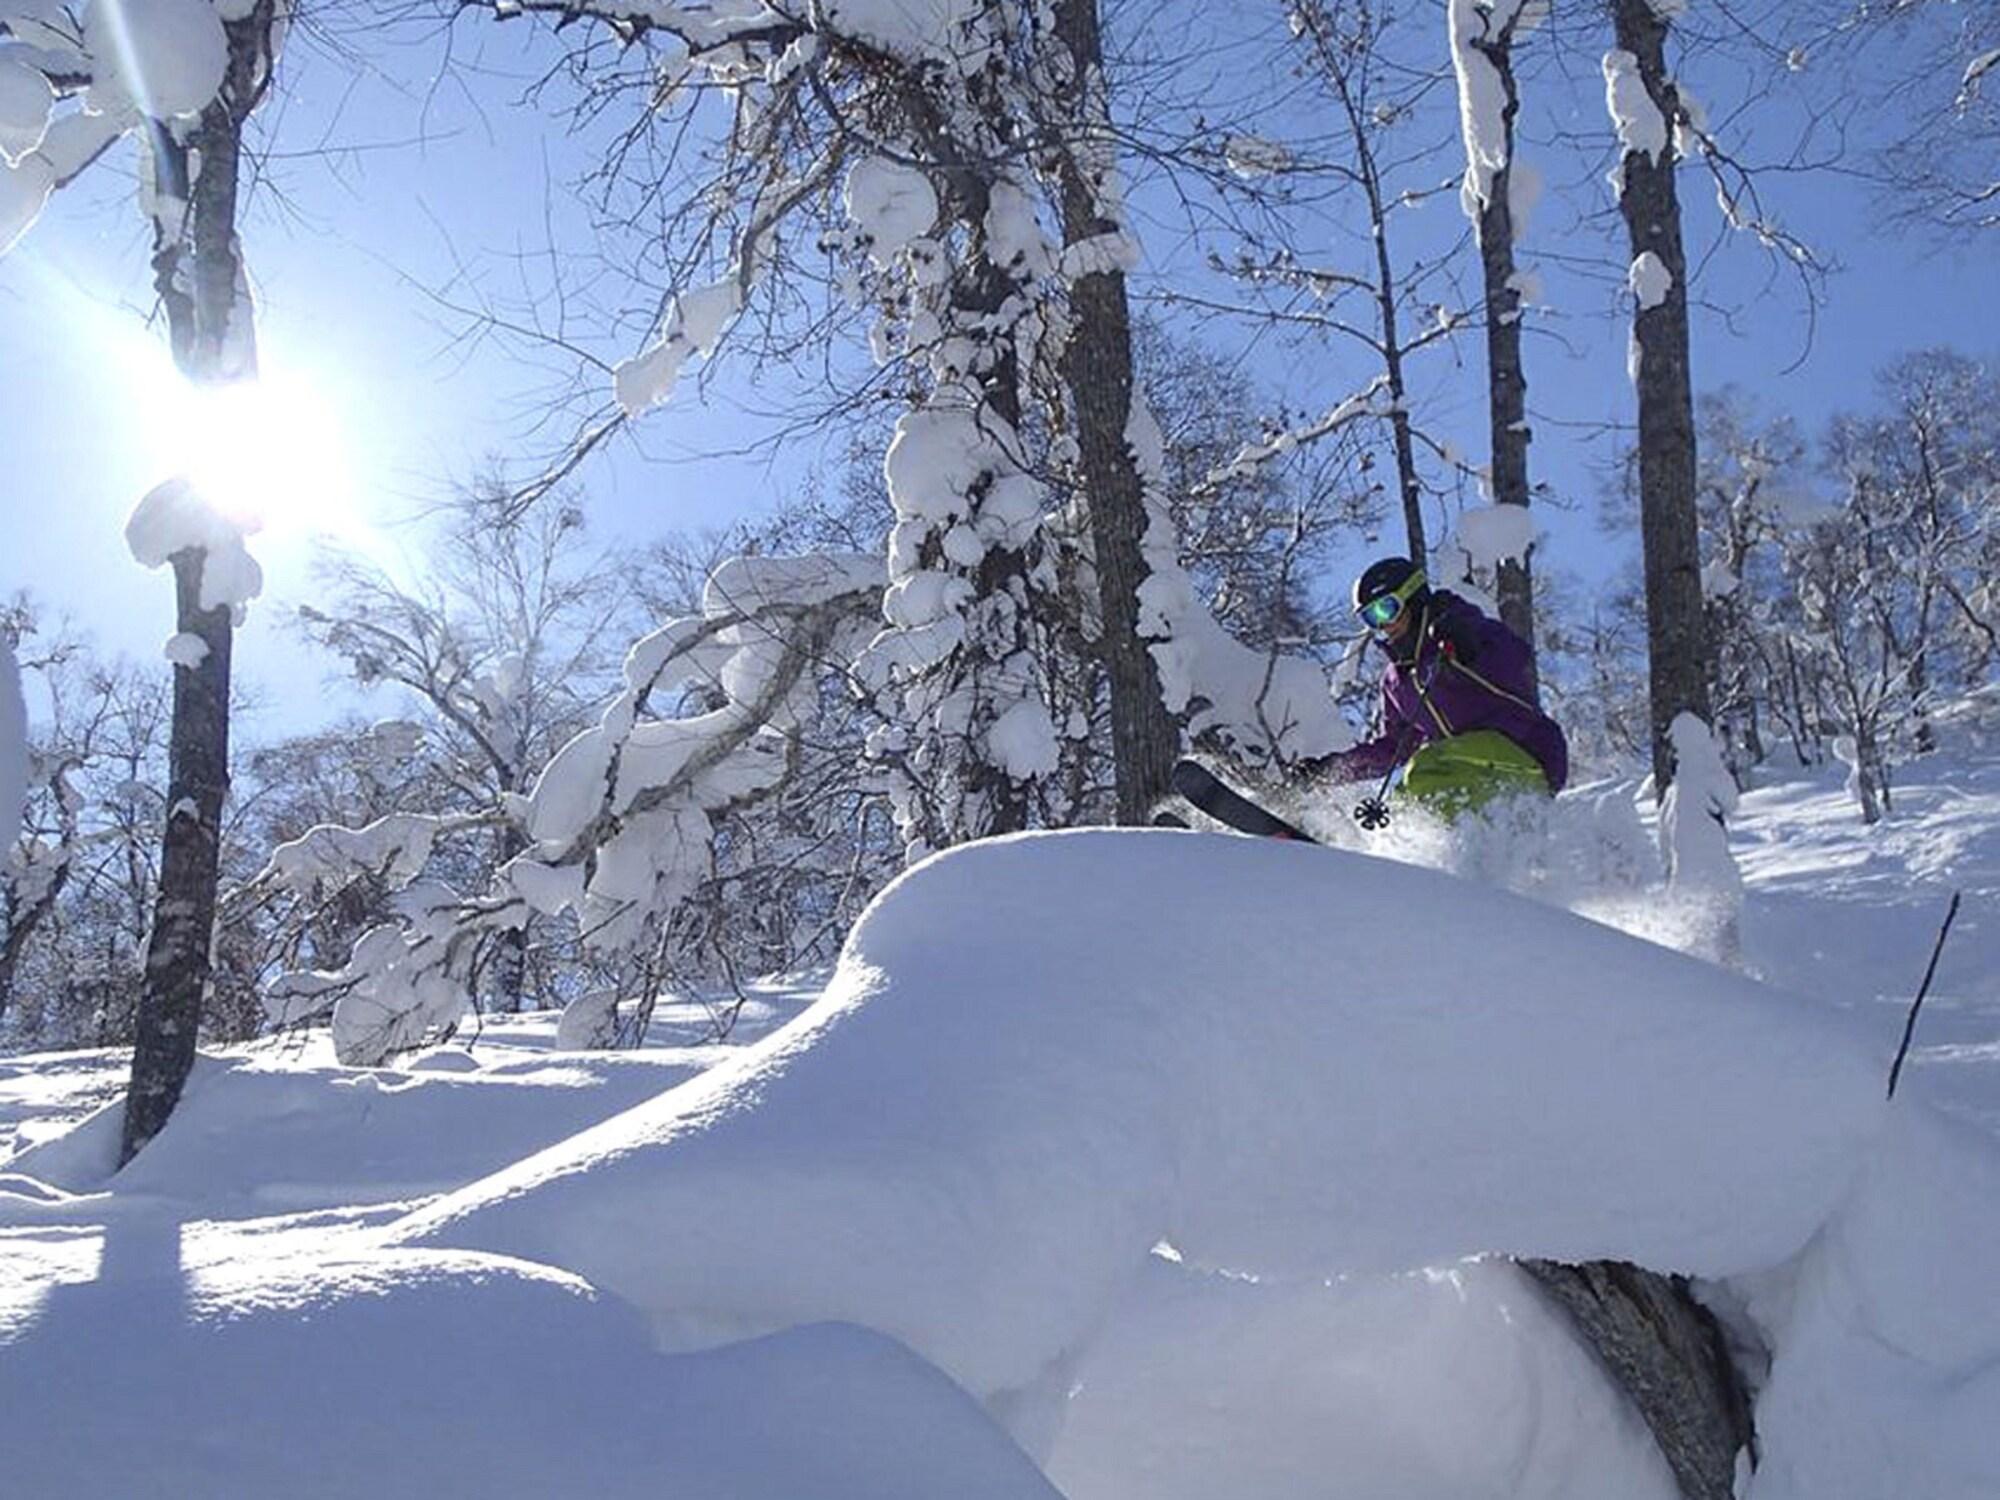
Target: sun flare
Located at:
point(268, 452)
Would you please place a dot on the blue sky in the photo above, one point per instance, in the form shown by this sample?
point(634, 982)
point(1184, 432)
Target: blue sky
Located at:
point(343, 243)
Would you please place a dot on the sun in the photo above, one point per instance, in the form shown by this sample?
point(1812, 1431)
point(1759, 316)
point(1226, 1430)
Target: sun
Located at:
point(270, 452)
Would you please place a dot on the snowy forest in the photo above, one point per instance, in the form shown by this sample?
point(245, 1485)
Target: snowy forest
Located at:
point(650, 976)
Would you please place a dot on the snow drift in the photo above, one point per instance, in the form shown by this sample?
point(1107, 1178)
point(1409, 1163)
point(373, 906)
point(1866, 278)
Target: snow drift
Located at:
point(446, 1376)
point(1168, 1149)
point(1041, 1057)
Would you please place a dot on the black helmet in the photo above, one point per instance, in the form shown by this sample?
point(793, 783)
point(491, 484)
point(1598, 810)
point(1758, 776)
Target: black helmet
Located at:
point(1386, 589)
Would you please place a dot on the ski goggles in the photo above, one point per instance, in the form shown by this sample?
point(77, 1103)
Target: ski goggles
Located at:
point(1380, 612)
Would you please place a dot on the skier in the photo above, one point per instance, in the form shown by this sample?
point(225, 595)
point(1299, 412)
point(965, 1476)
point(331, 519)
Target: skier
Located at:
point(1461, 721)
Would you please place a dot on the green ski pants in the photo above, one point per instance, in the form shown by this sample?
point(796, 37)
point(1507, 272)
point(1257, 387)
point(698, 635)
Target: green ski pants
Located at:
point(1466, 771)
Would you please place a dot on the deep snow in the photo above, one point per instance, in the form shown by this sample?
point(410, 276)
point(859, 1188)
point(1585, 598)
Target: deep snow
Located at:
point(1155, 1157)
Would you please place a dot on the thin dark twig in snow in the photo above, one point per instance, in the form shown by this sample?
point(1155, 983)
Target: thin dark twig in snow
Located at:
point(1910, 1026)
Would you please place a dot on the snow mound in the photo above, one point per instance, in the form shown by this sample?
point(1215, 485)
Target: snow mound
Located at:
point(1041, 1056)
point(230, 1381)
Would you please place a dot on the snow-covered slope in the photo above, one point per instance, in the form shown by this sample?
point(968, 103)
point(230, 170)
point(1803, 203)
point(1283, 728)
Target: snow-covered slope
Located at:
point(1183, 1158)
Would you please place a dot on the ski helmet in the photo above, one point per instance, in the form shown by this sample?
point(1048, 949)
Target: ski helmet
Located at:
point(1386, 589)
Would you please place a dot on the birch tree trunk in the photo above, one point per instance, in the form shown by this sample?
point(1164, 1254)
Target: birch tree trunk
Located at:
point(1097, 366)
point(1677, 640)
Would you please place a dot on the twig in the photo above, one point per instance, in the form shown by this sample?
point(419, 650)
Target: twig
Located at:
point(1910, 1026)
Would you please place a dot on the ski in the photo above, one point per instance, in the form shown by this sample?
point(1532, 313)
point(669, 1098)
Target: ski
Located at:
point(1225, 804)
point(1165, 818)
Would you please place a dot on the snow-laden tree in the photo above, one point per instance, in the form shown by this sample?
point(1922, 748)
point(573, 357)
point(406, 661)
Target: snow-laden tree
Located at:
point(928, 146)
point(500, 652)
point(618, 830)
point(1694, 834)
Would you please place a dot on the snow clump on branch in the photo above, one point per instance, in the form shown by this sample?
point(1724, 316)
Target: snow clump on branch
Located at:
point(174, 518)
point(1642, 129)
point(694, 324)
point(26, 102)
point(167, 58)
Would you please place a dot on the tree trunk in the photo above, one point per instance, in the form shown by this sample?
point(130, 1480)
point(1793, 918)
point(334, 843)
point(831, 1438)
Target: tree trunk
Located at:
point(1677, 643)
point(1506, 376)
point(177, 953)
point(198, 271)
point(1392, 362)
point(1669, 1354)
point(1097, 365)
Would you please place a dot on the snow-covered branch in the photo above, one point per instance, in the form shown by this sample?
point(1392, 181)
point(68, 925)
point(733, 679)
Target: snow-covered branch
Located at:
point(619, 827)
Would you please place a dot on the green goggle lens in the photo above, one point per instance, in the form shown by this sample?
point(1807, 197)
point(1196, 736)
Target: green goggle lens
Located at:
point(1382, 610)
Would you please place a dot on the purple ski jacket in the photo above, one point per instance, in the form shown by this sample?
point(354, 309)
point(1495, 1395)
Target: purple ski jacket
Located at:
point(1481, 681)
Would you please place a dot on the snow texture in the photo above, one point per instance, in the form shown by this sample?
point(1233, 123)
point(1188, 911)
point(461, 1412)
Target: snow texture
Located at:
point(24, 190)
point(683, 769)
point(930, 29)
point(1100, 254)
point(1252, 156)
point(185, 650)
point(1694, 837)
point(1492, 534)
point(427, 1354)
point(167, 57)
point(1482, 100)
point(13, 748)
point(1216, 1220)
point(1642, 129)
point(695, 323)
point(1230, 1085)
point(174, 518)
point(26, 102)
point(1649, 279)
point(890, 204)
point(1976, 70)
point(1260, 705)
point(394, 848)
